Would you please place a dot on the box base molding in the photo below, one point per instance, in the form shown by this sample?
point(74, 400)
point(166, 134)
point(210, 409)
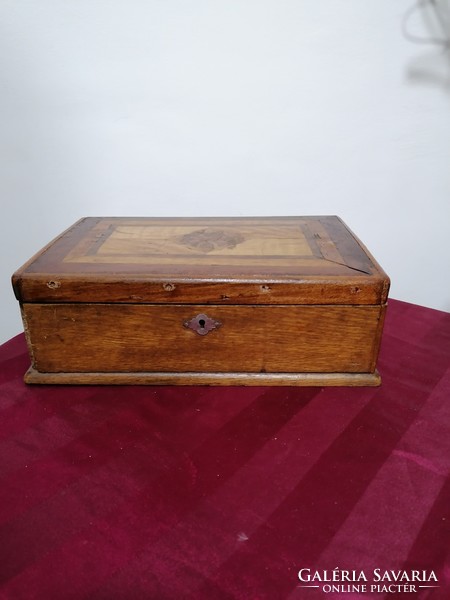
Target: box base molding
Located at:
point(292, 379)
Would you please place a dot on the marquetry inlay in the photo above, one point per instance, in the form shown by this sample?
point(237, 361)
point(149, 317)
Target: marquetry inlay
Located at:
point(253, 244)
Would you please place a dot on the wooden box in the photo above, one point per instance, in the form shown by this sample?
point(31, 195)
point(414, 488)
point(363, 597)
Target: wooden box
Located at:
point(243, 301)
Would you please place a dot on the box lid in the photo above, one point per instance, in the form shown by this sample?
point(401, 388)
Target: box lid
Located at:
point(223, 260)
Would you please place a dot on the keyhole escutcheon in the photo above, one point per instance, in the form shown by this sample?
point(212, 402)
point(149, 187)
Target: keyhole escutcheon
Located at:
point(202, 324)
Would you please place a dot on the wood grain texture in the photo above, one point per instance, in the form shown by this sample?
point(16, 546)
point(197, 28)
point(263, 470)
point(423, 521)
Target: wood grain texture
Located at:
point(176, 290)
point(151, 338)
point(229, 379)
point(298, 260)
point(297, 298)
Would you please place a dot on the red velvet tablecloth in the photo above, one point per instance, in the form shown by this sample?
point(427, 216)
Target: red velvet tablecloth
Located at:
point(127, 493)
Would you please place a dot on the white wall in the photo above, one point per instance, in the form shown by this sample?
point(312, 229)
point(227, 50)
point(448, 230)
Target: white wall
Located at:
point(237, 107)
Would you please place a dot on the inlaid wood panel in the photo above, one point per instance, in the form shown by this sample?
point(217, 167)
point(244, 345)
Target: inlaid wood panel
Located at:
point(232, 260)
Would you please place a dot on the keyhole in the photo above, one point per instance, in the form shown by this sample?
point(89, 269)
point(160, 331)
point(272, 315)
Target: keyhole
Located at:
point(202, 322)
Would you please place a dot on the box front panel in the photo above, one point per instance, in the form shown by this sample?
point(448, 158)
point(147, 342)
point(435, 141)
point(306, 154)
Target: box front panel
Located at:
point(125, 338)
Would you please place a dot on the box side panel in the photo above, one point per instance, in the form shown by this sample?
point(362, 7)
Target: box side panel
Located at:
point(378, 336)
point(26, 329)
point(148, 338)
